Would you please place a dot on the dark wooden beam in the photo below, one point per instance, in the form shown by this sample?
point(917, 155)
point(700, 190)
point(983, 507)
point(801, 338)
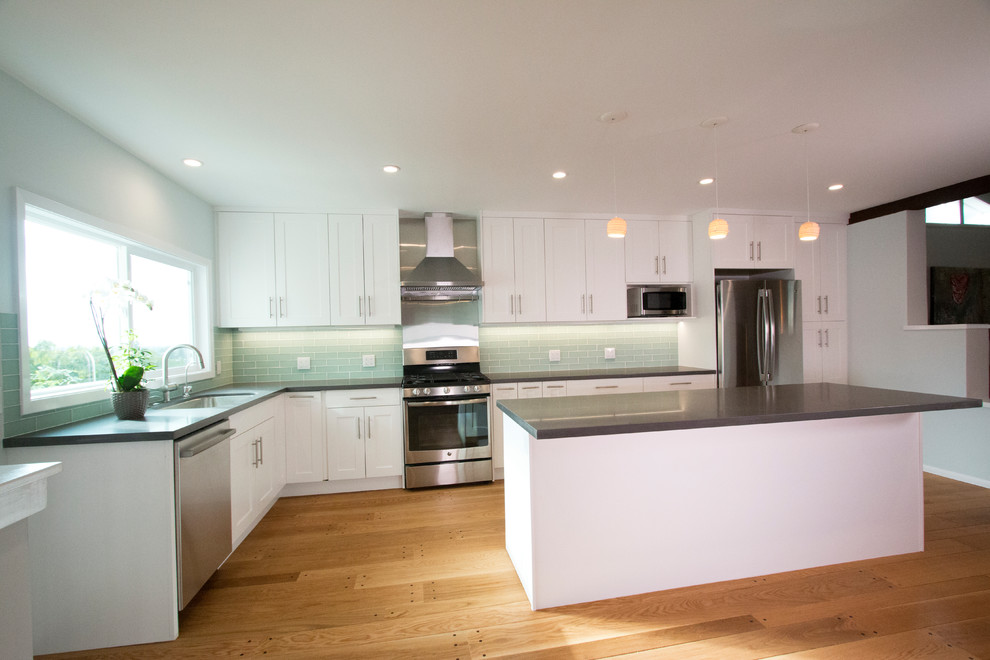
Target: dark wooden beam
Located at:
point(972, 188)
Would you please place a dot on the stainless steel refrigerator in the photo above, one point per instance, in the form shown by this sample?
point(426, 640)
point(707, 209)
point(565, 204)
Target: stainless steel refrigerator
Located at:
point(758, 332)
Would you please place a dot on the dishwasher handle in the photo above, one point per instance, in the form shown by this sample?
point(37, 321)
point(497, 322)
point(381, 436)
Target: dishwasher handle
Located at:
point(204, 444)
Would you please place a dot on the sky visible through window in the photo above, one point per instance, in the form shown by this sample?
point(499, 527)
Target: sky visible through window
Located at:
point(969, 211)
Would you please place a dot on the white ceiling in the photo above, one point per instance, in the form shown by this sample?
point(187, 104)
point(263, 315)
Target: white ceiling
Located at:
point(297, 104)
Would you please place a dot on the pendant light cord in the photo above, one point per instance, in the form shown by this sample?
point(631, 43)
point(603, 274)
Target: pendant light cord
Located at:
point(715, 132)
point(807, 179)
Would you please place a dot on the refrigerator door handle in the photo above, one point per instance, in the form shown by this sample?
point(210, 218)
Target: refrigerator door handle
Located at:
point(771, 336)
point(761, 334)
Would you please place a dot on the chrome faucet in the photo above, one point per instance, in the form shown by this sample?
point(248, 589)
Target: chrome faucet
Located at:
point(166, 388)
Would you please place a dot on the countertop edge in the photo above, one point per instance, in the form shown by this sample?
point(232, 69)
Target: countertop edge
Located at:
point(580, 374)
point(584, 430)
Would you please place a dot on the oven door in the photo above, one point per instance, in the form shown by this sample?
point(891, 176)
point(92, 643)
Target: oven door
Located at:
point(447, 430)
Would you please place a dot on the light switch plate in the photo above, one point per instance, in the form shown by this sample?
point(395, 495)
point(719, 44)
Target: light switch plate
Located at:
point(302, 363)
point(368, 360)
point(555, 356)
point(609, 353)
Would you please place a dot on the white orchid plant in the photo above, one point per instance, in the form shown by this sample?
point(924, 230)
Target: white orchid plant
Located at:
point(135, 361)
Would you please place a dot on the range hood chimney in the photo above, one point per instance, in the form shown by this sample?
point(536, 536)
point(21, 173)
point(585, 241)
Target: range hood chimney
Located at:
point(440, 276)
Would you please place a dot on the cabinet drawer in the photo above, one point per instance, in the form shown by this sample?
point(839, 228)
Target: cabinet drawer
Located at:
point(256, 414)
point(552, 388)
point(385, 396)
point(531, 390)
point(663, 383)
point(604, 386)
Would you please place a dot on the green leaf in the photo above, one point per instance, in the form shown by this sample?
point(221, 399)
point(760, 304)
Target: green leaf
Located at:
point(131, 379)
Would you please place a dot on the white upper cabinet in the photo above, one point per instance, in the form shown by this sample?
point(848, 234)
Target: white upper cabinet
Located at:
point(821, 267)
point(658, 252)
point(755, 241)
point(302, 269)
point(364, 272)
point(513, 263)
point(588, 289)
point(273, 269)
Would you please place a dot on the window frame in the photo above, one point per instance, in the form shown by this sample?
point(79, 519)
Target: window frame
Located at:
point(132, 243)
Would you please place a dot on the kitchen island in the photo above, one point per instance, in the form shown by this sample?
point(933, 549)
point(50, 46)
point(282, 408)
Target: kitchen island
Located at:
point(615, 495)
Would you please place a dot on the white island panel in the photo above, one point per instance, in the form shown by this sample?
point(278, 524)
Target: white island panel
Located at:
point(596, 517)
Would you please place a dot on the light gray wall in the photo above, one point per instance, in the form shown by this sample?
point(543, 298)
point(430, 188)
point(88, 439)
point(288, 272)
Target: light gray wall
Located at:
point(884, 256)
point(48, 152)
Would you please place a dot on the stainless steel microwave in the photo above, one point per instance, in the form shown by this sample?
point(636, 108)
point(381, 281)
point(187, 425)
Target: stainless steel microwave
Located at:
point(644, 301)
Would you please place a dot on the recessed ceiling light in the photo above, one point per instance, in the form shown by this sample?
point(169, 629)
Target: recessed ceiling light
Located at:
point(192, 162)
point(835, 186)
point(706, 181)
point(559, 174)
point(391, 169)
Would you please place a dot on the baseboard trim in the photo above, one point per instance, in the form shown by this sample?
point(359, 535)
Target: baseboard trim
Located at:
point(957, 476)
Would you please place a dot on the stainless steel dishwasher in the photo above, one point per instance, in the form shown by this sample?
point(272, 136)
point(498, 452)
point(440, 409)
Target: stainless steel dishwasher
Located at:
point(202, 506)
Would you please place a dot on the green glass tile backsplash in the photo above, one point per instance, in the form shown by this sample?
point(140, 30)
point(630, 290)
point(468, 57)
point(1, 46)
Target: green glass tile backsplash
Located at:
point(264, 356)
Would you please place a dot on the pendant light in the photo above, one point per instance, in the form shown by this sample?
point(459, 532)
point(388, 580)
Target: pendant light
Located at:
point(717, 228)
point(616, 227)
point(809, 230)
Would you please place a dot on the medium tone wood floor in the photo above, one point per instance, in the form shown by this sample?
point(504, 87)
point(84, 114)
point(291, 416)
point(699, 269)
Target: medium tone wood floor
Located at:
point(397, 574)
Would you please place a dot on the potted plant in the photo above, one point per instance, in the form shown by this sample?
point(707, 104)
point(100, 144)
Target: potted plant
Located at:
point(127, 391)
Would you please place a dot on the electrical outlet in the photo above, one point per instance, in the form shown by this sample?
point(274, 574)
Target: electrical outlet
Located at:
point(218, 367)
point(555, 356)
point(302, 363)
point(609, 353)
point(368, 360)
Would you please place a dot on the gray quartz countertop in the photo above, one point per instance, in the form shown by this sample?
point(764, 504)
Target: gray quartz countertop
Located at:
point(163, 422)
point(608, 414)
point(580, 374)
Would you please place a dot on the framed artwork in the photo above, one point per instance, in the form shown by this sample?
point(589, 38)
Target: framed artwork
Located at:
point(959, 295)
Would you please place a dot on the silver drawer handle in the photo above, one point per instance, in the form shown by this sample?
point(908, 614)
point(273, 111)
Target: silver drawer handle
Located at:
point(606, 387)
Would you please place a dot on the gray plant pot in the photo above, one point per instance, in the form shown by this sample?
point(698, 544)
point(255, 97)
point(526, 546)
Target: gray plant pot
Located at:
point(130, 405)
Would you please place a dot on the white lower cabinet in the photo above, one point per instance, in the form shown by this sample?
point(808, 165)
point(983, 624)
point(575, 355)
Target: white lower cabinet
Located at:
point(665, 383)
point(500, 392)
point(825, 352)
point(364, 433)
point(305, 440)
point(257, 465)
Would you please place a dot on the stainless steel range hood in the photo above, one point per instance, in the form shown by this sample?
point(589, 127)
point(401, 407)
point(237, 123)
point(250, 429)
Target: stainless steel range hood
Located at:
point(440, 276)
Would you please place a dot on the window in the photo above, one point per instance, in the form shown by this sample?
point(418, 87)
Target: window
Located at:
point(64, 257)
point(969, 211)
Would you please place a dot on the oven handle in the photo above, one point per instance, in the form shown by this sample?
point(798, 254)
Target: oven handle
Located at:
point(446, 402)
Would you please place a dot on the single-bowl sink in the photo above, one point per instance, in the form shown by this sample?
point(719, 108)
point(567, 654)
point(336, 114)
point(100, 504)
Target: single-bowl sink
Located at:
point(222, 400)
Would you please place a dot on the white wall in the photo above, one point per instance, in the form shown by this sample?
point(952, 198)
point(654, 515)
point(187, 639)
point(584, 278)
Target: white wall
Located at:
point(47, 151)
point(886, 261)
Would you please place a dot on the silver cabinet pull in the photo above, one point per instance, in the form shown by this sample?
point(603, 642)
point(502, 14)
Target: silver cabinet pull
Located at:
point(606, 387)
point(819, 339)
point(751, 250)
point(656, 265)
point(664, 270)
point(261, 450)
point(553, 387)
point(826, 338)
point(281, 307)
point(271, 307)
point(512, 305)
point(370, 312)
point(591, 304)
point(362, 398)
point(759, 251)
point(582, 303)
point(826, 304)
point(360, 306)
point(254, 461)
point(369, 427)
point(687, 382)
point(357, 423)
point(520, 304)
point(819, 304)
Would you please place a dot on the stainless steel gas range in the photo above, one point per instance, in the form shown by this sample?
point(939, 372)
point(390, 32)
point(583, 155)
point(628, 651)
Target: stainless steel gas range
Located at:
point(446, 400)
